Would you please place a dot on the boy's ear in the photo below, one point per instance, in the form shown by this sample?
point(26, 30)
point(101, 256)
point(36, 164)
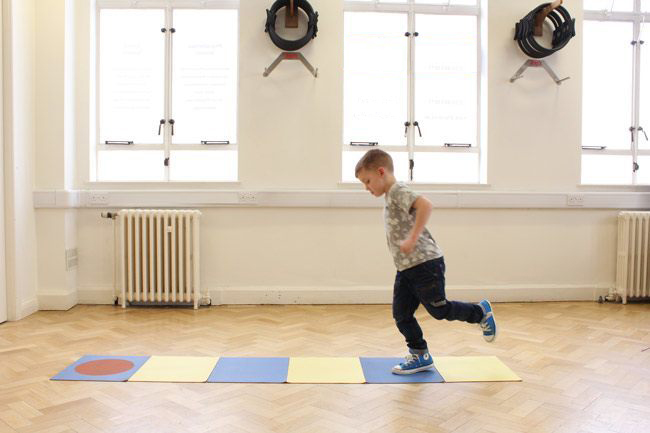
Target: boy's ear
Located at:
point(381, 171)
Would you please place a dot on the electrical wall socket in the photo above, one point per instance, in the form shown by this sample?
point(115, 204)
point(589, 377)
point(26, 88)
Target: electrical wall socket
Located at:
point(575, 200)
point(98, 198)
point(247, 197)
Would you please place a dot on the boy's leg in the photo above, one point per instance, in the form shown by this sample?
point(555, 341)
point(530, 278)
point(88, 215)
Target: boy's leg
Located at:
point(429, 281)
point(404, 305)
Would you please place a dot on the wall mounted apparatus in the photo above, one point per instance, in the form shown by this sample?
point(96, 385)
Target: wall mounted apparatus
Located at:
point(532, 25)
point(288, 46)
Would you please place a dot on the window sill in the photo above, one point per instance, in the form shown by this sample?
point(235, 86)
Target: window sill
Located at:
point(172, 185)
point(613, 188)
point(427, 186)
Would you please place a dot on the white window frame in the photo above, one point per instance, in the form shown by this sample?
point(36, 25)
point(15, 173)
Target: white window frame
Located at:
point(167, 146)
point(411, 9)
point(635, 18)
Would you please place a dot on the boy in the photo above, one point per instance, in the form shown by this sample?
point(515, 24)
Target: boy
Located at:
point(420, 265)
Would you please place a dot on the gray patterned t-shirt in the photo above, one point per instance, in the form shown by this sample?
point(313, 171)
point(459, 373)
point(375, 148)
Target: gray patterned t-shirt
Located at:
point(399, 216)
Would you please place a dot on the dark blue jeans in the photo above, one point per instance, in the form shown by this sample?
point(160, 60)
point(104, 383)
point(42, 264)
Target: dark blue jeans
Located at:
point(425, 284)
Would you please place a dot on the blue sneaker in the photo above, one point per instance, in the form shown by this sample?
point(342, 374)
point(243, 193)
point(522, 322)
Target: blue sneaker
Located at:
point(488, 324)
point(414, 362)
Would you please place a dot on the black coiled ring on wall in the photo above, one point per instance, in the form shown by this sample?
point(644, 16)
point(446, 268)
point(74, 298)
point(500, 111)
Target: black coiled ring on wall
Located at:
point(564, 31)
point(291, 45)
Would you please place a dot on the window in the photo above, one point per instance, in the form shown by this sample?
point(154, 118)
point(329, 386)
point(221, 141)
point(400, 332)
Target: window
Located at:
point(167, 92)
point(412, 86)
point(616, 67)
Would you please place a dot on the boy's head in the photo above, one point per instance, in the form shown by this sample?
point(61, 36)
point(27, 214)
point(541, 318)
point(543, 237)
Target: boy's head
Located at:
point(375, 171)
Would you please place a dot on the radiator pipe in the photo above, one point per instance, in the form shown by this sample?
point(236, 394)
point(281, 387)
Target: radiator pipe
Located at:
point(113, 216)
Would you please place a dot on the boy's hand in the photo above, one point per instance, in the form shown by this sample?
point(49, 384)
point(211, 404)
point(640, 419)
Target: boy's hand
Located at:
point(407, 246)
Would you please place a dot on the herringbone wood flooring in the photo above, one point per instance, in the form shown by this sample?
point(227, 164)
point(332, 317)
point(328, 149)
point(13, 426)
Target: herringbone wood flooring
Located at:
point(585, 368)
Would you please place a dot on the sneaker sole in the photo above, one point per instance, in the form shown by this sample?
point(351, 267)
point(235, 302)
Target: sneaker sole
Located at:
point(414, 370)
point(496, 331)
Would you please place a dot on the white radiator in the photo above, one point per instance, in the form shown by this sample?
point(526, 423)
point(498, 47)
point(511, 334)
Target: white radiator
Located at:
point(158, 256)
point(632, 267)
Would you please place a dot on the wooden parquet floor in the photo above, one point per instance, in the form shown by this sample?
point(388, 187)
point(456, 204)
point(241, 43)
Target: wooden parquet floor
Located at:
point(585, 368)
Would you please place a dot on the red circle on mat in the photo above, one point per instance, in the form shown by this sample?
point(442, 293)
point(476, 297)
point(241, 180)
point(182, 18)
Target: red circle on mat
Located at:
point(104, 367)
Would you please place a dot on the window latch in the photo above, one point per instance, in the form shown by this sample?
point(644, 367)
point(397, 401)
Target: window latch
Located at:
point(210, 142)
point(640, 128)
point(162, 122)
point(171, 122)
point(364, 143)
point(411, 166)
point(632, 133)
point(167, 162)
point(406, 128)
point(458, 144)
point(635, 167)
point(418, 126)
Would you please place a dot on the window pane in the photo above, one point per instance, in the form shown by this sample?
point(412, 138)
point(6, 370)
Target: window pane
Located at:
point(446, 167)
point(609, 5)
point(350, 159)
point(446, 79)
point(643, 175)
point(607, 85)
point(607, 169)
point(375, 89)
point(645, 6)
point(131, 75)
point(130, 165)
point(204, 78)
point(644, 101)
point(203, 165)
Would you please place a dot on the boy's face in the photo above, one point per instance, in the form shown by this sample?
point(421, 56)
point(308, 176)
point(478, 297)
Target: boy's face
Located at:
point(374, 180)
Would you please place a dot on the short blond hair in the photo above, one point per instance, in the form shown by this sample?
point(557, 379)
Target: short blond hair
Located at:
point(372, 160)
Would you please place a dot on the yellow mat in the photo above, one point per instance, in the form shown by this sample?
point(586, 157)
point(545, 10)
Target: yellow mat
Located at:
point(474, 369)
point(175, 369)
point(325, 370)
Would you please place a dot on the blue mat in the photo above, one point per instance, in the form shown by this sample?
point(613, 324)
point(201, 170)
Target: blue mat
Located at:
point(250, 370)
point(378, 370)
point(96, 364)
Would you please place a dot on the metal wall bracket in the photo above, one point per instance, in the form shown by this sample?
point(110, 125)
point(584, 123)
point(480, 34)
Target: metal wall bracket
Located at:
point(290, 56)
point(537, 64)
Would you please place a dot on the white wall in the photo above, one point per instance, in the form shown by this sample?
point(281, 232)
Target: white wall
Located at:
point(19, 157)
point(289, 138)
point(534, 126)
point(55, 141)
point(3, 269)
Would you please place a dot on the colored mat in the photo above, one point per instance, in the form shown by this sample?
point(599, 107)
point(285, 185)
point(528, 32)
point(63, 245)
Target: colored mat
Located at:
point(250, 370)
point(325, 370)
point(175, 369)
point(378, 370)
point(281, 370)
point(102, 368)
point(474, 369)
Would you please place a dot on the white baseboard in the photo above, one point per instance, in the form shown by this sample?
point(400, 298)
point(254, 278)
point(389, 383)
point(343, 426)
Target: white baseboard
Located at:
point(28, 307)
point(375, 294)
point(91, 296)
point(59, 301)
point(383, 295)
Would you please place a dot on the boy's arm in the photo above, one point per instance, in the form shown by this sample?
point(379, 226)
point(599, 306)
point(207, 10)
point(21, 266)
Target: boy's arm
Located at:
point(423, 207)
